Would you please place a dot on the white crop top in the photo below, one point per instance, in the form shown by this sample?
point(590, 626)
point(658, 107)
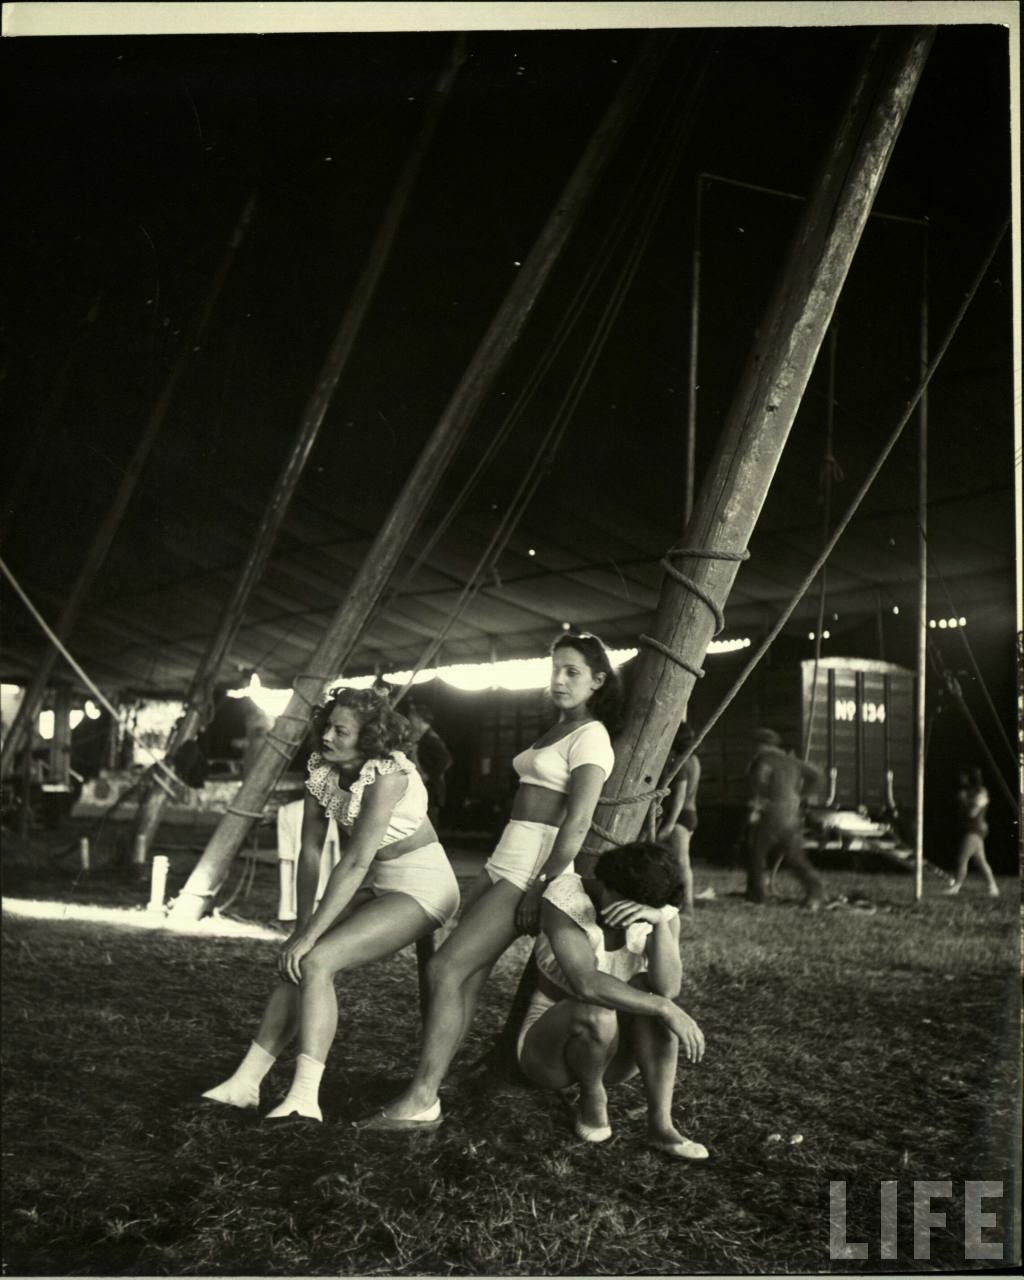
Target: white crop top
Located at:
point(550, 766)
point(343, 806)
point(567, 893)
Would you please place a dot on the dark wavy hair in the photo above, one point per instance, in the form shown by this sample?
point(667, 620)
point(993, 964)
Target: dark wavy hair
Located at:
point(642, 872)
point(606, 702)
point(381, 728)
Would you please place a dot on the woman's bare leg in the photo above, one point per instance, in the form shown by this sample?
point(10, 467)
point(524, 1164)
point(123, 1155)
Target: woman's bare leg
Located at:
point(679, 843)
point(375, 930)
point(986, 871)
point(280, 1022)
point(573, 1043)
point(379, 929)
point(455, 975)
point(278, 1028)
point(657, 1054)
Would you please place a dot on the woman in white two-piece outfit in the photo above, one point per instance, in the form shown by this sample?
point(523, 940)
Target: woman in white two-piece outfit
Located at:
point(392, 885)
point(560, 781)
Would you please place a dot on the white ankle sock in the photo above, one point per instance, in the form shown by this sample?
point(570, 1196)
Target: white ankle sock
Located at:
point(301, 1099)
point(243, 1088)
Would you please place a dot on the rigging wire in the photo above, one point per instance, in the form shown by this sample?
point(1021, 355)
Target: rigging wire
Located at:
point(158, 764)
point(90, 684)
point(667, 139)
point(544, 457)
point(974, 664)
point(851, 510)
point(956, 693)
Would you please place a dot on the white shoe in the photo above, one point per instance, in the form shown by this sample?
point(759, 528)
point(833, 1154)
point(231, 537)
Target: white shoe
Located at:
point(590, 1132)
point(684, 1149)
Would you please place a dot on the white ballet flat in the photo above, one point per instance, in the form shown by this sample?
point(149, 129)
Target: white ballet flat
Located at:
point(682, 1150)
point(431, 1118)
point(590, 1132)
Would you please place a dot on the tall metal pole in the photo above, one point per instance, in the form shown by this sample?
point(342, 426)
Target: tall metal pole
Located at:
point(97, 554)
point(692, 385)
point(200, 696)
point(345, 627)
point(826, 521)
point(922, 585)
point(768, 395)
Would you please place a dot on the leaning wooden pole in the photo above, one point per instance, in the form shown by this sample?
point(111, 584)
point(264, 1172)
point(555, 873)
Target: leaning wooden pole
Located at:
point(699, 576)
point(97, 554)
point(345, 627)
point(199, 700)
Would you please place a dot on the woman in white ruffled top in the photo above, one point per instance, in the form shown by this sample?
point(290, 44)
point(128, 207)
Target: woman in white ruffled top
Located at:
point(605, 1005)
point(392, 885)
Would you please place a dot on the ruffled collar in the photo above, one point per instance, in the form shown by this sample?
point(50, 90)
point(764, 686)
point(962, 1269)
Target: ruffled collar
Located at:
point(344, 803)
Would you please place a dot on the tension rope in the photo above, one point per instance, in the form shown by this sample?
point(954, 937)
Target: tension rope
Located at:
point(974, 662)
point(826, 551)
point(90, 684)
point(658, 170)
point(670, 141)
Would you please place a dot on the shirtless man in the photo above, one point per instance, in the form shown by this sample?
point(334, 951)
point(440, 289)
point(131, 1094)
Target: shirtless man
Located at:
point(778, 781)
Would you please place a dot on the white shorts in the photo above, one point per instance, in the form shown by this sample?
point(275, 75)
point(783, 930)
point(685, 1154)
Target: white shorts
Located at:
point(425, 875)
point(536, 1009)
point(521, 852)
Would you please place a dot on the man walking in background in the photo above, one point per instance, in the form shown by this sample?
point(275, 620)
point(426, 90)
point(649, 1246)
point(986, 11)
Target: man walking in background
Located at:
point(972, 808)
point(778, 783)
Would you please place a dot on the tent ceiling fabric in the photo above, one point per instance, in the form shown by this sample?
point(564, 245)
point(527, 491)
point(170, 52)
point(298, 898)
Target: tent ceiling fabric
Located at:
point(152, 640)
point(610, 501)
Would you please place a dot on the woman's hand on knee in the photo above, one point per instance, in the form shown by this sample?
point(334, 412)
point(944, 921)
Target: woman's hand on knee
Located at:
point(289, 960)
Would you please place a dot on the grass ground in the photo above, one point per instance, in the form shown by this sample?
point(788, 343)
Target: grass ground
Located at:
point(845, 1045)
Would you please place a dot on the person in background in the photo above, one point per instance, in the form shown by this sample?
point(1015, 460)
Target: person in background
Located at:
point(972, 807)
point(430, 755)
point(678, 819)
point(604, 1008)
point(778, 783)
point(560, 781)
point(392, 885)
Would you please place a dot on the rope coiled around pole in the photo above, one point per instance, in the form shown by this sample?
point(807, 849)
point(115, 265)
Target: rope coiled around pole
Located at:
point(697, 553)
point(684, 580)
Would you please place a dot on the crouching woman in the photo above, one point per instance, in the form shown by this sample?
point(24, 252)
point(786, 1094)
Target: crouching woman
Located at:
point(608, 956)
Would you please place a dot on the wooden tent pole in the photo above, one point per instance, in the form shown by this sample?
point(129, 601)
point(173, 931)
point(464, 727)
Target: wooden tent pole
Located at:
point(767, 398)
point(60, 747)
point(346, 626)
point(97, 554)
point(200, 695)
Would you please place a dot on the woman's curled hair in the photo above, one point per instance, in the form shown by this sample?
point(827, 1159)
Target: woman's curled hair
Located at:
point(606, 702)
point(381, 728)
point(642, 872)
